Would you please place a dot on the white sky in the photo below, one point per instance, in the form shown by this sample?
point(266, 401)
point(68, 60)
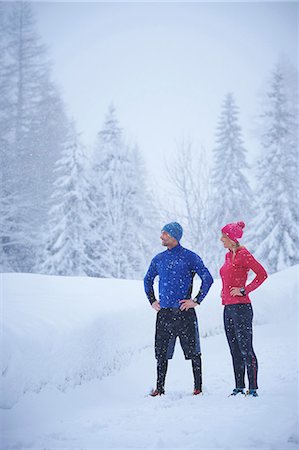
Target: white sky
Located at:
point(165, 66)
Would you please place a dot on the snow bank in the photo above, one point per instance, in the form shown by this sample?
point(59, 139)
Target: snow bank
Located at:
point(62, 331)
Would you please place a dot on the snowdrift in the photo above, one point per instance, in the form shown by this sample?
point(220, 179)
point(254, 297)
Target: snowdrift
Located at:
point(62, 331)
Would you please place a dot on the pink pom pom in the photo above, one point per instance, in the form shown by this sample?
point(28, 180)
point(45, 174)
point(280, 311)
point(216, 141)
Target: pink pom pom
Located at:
point(241, 224)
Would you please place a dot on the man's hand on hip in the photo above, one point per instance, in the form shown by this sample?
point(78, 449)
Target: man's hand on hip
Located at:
point(156, 305)
point(187, 304)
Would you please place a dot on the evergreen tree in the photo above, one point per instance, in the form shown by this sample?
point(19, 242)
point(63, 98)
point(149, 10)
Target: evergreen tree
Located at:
point(32, 129)
point(275, 228)
point(5, 199)
point(231, 196)
point(124, 211)
point(69, 217)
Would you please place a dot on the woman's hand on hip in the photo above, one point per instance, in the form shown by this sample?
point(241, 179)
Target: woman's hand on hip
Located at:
point(235, 291)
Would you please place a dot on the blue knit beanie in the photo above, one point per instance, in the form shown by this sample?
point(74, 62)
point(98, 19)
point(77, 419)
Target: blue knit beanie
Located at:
point(174, 230)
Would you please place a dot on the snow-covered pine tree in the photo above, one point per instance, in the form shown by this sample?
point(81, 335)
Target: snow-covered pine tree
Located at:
point(5, 199)
point(124, 213)
point(32, 128)
point(275, 236)
point(70, 215)
point(231, 196)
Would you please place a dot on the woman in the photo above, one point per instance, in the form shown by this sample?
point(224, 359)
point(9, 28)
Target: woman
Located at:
point(237, 305)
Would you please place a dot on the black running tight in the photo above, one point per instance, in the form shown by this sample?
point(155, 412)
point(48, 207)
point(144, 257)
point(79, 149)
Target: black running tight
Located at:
point(162, 365)
point(196, 367)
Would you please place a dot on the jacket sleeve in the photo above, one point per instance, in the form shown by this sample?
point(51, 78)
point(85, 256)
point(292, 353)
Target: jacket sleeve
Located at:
point(149, 282)
point(205, 276)
point(258, 269)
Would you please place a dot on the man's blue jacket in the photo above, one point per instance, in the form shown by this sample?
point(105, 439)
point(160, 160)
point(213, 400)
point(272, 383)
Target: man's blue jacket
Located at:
point(176, 269)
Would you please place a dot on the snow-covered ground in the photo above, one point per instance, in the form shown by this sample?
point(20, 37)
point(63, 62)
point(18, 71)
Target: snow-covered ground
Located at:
point(77, 363)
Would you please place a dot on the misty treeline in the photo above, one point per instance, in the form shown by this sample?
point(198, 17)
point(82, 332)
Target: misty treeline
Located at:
point(71, 210)
point(264, 196)
point(66, 209)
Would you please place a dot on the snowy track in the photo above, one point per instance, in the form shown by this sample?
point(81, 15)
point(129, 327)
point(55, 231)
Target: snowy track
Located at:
point(114, 411)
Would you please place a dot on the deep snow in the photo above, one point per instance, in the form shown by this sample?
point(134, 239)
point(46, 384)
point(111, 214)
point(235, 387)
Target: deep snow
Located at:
point(77, 362)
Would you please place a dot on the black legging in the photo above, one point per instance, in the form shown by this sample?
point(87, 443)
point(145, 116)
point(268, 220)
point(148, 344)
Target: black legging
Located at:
point(238, 330)
point(162, 365)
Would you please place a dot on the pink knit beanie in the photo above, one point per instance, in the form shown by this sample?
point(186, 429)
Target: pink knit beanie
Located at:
point(234, 230)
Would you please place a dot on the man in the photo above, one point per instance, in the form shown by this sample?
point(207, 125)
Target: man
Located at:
point(176, 268)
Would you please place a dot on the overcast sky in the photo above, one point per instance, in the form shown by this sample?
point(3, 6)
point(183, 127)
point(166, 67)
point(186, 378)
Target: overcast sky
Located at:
point(165, 66)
